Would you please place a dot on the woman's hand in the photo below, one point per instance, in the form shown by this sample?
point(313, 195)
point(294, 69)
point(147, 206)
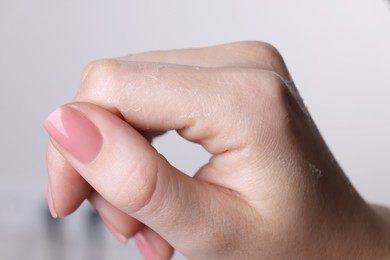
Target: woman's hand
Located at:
point(271, 190)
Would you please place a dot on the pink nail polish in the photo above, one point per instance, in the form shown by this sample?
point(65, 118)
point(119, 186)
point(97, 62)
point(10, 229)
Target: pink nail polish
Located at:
point(75, 133)
point(113, 231)
point(50, 203)
point(145, 248)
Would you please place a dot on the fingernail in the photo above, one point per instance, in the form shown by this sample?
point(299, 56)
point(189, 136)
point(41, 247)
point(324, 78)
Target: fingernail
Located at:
point(50, 203)
point(145, 248)
point(75, 133)
point(113, 231)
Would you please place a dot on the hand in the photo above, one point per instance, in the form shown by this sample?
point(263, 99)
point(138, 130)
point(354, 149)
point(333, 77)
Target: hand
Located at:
point(271, 190)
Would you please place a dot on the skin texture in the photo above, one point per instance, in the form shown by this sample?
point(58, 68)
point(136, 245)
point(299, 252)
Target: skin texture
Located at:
point(271, 190)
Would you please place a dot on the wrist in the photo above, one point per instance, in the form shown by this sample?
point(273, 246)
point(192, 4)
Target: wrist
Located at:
point(357, 230)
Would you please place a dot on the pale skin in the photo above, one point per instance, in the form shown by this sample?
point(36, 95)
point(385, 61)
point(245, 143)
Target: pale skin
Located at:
point(272, 189)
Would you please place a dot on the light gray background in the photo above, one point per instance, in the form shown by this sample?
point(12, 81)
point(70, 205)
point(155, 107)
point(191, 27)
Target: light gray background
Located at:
point(338, 52)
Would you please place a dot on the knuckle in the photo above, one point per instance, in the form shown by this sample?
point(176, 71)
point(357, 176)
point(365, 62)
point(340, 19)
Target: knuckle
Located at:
point(250, 45)
point(274, 58)
point(99, 73)
point(259, 49)
point(99, 66)
point(262, 55)
point(270, 50)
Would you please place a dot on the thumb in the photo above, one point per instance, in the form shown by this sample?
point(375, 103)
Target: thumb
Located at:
point(121, 165)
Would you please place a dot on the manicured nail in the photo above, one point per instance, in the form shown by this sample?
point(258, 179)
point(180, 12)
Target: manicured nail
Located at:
point(50, 203)
point(146, 250)
point(75, 133)
point(113, 231)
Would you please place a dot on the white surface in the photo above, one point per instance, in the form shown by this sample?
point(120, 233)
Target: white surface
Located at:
point(338, 52)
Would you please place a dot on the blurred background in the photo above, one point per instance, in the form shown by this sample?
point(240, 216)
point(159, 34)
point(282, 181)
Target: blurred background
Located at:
point(338, 52)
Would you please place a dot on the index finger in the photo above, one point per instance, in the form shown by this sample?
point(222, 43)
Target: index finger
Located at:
point(246, 54)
